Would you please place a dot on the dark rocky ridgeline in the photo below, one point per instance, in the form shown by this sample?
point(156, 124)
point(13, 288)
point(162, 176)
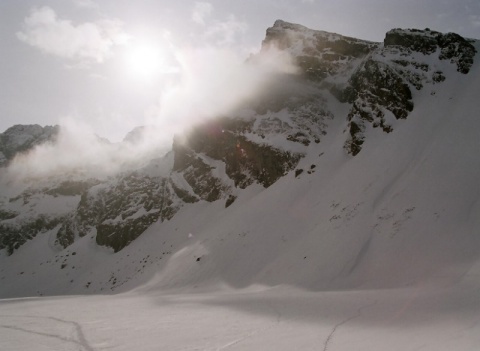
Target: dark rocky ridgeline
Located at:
point(380, 77)
point(214, 161)
point(319, 54)
point(382, 86)
point(449, 46)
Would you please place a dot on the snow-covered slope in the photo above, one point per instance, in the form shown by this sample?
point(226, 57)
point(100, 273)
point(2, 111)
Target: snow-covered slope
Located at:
point(359, 172)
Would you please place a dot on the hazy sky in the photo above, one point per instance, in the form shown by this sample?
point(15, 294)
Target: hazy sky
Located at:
point(110, 63)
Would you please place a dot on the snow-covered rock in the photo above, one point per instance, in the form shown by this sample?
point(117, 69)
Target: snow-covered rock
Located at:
point(360, 171)
point(21, 138)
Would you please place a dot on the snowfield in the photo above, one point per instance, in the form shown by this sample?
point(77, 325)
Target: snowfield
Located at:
point(257, 318)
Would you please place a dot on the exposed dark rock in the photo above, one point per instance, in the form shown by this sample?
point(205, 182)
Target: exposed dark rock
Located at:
point(299, 137)
point(183, 194)
point(199, 176)
point(416, 40)
point(230, 200)
point(120, 211)
point(13, 235)
point(245, 161)
point(374, 89)
point(7, 215)
point(451, 46)
point(438, 77)
point(322, 54)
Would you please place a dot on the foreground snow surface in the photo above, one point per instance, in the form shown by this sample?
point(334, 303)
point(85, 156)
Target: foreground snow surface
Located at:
point(257, 318)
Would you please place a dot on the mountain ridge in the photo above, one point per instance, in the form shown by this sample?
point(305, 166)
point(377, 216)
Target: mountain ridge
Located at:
point(296, 175)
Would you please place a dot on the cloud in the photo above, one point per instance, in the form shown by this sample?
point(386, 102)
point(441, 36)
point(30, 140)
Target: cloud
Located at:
point(218, 32)
point(78, 151)
point(201, 11)
point(89, 41)
point(225, 33)
point(215, 82)
point(210, 81)
point(88, 4)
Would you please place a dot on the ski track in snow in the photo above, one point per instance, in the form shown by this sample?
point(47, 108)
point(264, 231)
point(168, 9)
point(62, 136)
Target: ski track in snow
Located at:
point(80, 336)
point(330, 336)
point(238, 341)
point(278, 320)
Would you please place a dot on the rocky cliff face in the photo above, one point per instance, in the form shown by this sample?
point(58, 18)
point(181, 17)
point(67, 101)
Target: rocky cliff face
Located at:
point(375, 78)
point(214, 162)
point(376, 84)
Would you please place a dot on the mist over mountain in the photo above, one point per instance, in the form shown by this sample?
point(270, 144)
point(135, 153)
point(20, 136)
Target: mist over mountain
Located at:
point(356, 169)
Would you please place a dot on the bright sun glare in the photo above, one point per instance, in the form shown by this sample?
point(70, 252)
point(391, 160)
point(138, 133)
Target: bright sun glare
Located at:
point(145, 61)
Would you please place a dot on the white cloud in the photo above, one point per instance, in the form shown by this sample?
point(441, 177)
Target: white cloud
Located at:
point(89, 41)
point(201, 11)
point(94, 156)
point(212, 82)
point(215, 82)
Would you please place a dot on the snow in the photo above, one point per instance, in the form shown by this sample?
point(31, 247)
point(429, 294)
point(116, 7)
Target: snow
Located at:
point(374, 252)
point(258, 318)
point(218, 170)
point(178, 179)
point(41, 204)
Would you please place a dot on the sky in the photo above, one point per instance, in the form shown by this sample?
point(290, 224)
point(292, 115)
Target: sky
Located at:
point(111, 65)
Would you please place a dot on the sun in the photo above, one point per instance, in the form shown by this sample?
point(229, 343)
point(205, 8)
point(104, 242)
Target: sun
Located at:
point(145, 61)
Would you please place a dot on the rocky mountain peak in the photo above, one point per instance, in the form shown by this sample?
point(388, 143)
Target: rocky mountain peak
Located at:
point(319, 54)
point(21, 138)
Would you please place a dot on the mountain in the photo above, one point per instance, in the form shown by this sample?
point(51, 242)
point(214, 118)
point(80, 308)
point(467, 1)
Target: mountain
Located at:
point(359, 171)
point(22, 138)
